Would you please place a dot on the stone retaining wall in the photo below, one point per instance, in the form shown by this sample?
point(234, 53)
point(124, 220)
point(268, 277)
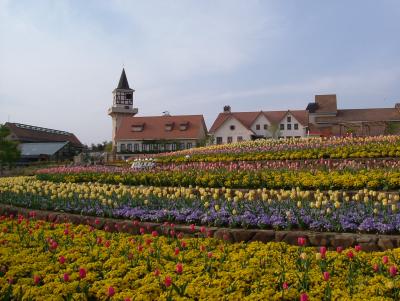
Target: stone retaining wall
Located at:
point(368, 242)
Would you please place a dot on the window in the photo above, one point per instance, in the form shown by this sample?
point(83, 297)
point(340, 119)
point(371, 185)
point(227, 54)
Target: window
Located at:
point(239, 138)
point(289, 126)
point(281, 126)
point(136, 147)
point(289, 119)
point(183, 126)
point(296, 136)
point(123, 147)
point(137, 127)
point(288, 137)
point(219, 140)
point(144, 147)
point(181, 145)
point(229, 139)
point(129, 147)
point(232, 127)
point(257, 126)
point(189, 145)
point(296, 126)
point(265, 126)
point(173, 145)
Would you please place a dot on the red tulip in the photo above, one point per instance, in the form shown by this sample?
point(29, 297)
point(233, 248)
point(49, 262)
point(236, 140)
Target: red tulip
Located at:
point(61, 259)
point(301, 241)
point(82, 273)
point(203, 229)
point(157, 272)
point(357, 248)
point(375, 267)
point(176, 252)
point(107, 244)
point(142, 231)
point(339, 249)
point(179, 268)
point(154, 233)
point(350, 254)
point(167, 281)
point(285, 286)
point(66, 277)
point(325, 275)
point(192, 227)
point(36, 279)
point(209, 254)
point(140, 248)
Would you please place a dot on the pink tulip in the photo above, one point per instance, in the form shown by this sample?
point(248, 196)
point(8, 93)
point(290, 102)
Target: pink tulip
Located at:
point(385, 259)
point(110, 291)
point(303, 297)
point(285, 286)
point(325, 275)
point(393, 271)
point(357, 248)
point(61, 259)
point(339, 249)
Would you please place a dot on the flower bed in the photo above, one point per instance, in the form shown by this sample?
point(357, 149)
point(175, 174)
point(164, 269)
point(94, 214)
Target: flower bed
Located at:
point(335, 211)
point(45, 261)
point(322, 179)
point(326, 164)
point(290, 149)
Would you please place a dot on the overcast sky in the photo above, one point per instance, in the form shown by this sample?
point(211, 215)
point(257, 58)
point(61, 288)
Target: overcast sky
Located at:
point(60, 60)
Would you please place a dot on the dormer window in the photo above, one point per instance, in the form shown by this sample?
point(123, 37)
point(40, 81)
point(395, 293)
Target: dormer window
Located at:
point(139, 127)
point(289, 119)
point(183, 126)
point(169, 126)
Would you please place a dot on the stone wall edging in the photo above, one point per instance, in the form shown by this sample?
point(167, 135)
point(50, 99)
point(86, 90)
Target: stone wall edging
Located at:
point(368, 242)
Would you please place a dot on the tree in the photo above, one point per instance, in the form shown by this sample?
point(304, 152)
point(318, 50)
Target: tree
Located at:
point(9, 152)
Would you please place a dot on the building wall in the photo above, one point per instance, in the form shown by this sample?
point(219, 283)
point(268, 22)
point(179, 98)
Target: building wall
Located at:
point(261, 120)
point(300, 132)
point(225, 131)
point(186, 143)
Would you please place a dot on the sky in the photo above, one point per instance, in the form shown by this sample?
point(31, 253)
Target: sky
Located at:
point(60, 60)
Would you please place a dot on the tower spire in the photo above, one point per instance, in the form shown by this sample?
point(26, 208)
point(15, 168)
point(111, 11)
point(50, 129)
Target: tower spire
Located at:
point(123, 81)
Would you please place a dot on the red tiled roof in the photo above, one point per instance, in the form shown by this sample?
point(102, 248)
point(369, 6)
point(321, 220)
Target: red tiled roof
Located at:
point(28, 133)
point(248, 118)
point(354, 115)
point(154, 128)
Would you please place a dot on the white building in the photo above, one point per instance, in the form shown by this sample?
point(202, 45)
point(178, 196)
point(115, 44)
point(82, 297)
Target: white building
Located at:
point(241, 126)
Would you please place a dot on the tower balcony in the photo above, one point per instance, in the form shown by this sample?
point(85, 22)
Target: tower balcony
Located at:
point(122, 110)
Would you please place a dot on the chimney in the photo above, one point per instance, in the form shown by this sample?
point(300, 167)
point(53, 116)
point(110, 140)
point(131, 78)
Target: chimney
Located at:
point(227, 109)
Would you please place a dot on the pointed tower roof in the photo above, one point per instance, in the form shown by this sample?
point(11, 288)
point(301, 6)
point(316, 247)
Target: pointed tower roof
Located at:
point(123, 81)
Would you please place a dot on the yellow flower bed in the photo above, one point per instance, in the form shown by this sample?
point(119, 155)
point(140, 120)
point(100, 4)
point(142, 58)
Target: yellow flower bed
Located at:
point(42, 261)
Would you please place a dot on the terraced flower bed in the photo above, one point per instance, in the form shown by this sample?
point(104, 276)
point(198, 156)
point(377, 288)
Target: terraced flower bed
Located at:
point(47, 261)
point(364, 211)
point(185, 217)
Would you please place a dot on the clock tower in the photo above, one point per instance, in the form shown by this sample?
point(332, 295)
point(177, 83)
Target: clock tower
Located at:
point(122, 106)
